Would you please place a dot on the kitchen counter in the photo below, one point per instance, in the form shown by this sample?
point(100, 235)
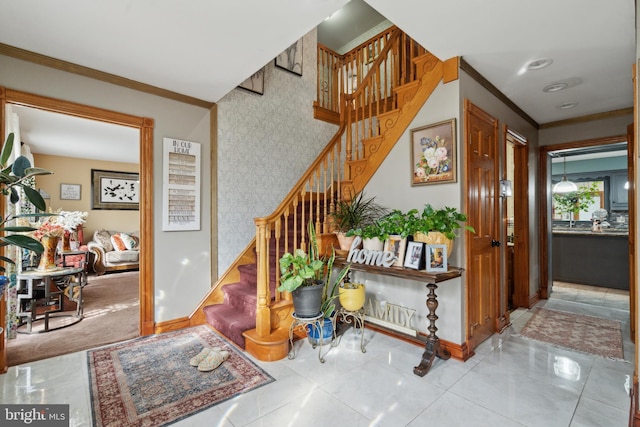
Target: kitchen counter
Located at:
point(591, 258)
point(588, 232)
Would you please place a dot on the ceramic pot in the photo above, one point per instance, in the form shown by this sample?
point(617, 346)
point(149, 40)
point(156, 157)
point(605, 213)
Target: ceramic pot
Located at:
point(345, 241)
point(314, 330)
point(352, 299)
point(307, 300)
point(434, 238)
point(372, 244)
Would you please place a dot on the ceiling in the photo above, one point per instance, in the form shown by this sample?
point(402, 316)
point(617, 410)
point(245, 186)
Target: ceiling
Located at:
point(172, 45)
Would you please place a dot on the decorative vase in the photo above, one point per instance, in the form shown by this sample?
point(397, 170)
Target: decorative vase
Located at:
point(434, 238)
point(352, 299)
point(66, 242)
point(48, 256)
point(307, 300)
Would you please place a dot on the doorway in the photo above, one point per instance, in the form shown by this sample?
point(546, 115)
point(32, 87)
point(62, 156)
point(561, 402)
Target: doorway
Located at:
point(145, 127)
point(571, 225)
point(516, 219)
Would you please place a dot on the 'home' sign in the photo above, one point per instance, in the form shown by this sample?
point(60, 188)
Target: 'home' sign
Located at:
point(369, 257)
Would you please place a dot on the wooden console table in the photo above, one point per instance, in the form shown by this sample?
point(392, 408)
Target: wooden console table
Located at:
point(432, 346)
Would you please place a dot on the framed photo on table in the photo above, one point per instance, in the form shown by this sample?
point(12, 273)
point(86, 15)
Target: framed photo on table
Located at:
point(397, 245)
point(413, 257)
point(437, 258)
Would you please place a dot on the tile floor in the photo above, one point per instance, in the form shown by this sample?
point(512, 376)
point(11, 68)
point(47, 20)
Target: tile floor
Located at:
point(510, 381)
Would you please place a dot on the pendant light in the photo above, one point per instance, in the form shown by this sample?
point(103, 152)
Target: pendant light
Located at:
point(565, 186)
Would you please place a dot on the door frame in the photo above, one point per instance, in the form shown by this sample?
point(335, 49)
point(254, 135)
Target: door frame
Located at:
point(544, 178)
point(145, 126)
point(521, 217)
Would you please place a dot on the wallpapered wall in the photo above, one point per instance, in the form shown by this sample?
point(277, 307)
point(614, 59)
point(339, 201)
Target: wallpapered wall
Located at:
point(265, 143)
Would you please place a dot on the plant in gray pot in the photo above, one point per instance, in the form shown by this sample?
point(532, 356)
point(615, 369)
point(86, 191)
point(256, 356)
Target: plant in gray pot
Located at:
point(309, 277)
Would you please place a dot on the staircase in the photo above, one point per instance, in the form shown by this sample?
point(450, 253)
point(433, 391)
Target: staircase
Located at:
point(373, 113)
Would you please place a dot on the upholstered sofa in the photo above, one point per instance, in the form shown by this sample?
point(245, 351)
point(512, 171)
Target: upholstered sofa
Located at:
point(114, 251)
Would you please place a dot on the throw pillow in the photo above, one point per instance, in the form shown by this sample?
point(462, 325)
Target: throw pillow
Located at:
point(118, 243)
point(103, 237)
point(129, 241)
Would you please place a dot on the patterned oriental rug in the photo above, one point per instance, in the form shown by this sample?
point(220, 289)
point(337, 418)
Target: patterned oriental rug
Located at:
point(148, 381)
point(584, 334)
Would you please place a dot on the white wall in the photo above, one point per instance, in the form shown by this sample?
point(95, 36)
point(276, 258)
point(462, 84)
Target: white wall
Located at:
point(391, 186)
point(265, 143)
point(182, 260)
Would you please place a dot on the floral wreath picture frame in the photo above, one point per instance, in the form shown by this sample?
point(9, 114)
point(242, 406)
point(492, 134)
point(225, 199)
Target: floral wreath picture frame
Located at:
point(433, 153)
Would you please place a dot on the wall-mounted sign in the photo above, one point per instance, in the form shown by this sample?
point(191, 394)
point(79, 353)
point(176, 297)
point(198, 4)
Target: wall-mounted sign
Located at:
point(180, 185)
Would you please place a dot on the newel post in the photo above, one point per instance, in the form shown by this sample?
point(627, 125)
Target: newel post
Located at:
point(263, 312)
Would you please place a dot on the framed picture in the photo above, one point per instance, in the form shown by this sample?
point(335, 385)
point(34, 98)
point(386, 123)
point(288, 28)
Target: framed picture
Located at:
point(437, 258)
point(414, 255)
point(115, 190)
point(397, 245)
point(70, 191)
point(433, 153)
point(291, 58)
point(255, 83)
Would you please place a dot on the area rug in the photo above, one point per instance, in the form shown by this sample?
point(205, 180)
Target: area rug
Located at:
point(148, 381)
point(584, 334)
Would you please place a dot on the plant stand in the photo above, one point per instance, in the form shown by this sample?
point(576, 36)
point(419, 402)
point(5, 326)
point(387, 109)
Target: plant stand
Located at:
point(351, 317)
point(316, 323)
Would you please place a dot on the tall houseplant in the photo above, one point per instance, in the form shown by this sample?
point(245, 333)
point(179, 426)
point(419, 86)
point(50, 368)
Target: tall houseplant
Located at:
point(13, 177)
point(354, 214)
point(310, 275)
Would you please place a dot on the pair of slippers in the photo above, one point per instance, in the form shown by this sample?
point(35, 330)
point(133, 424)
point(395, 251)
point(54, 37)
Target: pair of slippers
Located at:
point(209, 359)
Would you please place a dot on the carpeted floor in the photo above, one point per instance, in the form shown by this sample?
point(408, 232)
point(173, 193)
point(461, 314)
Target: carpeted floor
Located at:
point(585, 334)
point(111, 314)
point(149, 382)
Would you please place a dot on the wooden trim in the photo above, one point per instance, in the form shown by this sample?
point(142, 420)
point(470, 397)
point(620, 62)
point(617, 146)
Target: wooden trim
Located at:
point(172, 325)
point(474, 74)
point(450, 71)
point(588, 118)
point(146, 126)
point(92, 73)
point(213, 138)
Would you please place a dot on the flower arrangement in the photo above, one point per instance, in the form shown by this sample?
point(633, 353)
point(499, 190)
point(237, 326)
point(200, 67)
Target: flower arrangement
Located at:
point(49, 228)
point(70, 220)
point(434, 159)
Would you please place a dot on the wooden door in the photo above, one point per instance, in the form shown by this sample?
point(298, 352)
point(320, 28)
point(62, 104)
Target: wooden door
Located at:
point(482, 251)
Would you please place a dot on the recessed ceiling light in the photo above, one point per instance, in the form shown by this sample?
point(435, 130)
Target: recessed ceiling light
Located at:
point(555, 87)
point(567, 105)
point(539, 63)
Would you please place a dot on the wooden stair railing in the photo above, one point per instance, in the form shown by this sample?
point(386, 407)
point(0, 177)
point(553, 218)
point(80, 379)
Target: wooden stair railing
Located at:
point(372, 119)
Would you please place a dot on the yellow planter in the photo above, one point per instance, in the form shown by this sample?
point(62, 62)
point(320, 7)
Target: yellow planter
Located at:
point(434, 238)
point(352, 299)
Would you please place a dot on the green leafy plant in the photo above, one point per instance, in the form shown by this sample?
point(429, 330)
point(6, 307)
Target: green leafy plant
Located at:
point(13, 177)
point(307, 269)
point(355, 213)
point(397, 222)
point(576, 201)
point(447, 221)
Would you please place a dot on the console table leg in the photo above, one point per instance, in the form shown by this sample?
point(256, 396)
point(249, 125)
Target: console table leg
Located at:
point(432, 346)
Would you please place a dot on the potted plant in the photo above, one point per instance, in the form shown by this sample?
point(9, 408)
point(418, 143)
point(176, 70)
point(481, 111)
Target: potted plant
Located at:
point(439, 226)
point(13, 177)
point(372, 235)
point(354, 214)
point(309, 278)
point(351, 295)
point(575, 201)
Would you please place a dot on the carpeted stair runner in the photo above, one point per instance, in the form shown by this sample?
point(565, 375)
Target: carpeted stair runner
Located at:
point(237, 313)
